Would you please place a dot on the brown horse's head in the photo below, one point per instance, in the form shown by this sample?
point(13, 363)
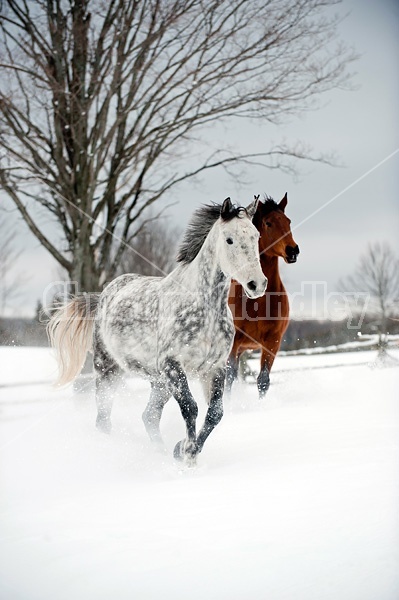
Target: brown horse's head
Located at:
point(275, 231)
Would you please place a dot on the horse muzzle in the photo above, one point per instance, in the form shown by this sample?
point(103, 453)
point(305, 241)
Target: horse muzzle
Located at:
point(256, 289)
point(291, 254)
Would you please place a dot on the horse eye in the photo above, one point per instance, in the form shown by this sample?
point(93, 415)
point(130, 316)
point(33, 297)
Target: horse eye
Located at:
point(268, 223)
point(229, 241)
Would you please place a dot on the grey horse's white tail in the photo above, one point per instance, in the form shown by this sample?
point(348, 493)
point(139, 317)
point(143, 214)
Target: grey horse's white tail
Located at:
point(70, 331)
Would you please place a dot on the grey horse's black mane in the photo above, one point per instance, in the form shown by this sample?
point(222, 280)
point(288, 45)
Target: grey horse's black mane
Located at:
point(200, 225)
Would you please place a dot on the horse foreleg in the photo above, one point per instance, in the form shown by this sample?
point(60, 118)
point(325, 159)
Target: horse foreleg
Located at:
point(231, 372)
point(266, 363)
point(263, 381)
point(178, 384)
point(153, 412)
point(215, 408)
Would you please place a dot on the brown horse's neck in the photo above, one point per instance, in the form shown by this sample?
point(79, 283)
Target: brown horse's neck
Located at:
point(270, 269)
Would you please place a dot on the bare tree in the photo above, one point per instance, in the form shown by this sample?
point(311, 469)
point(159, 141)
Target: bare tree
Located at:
point(377, 274)
point(153, 250)
point(10, 284)
point(101, 99)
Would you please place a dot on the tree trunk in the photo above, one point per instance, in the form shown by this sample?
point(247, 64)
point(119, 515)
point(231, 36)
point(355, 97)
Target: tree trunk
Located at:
point(382, 335)
point(84, 276)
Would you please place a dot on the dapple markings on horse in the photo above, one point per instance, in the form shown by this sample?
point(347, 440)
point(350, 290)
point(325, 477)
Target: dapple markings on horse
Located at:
point(166, 327)
point(261, 324)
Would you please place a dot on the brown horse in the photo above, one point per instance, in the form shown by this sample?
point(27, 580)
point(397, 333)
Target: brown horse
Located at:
point(260, 324)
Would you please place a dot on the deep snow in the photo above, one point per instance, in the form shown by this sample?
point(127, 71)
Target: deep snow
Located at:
point(295, 498)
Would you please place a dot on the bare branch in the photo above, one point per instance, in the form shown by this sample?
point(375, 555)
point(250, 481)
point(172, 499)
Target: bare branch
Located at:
point(100, 101)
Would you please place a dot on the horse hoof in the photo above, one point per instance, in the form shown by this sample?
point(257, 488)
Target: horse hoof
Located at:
point(104, 425)
point(263, 391)
point(159, 447)
point(178, 453)
point(185, 452)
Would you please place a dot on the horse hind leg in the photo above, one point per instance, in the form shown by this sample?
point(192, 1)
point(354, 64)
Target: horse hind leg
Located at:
point(107, 374)
point(153, 412)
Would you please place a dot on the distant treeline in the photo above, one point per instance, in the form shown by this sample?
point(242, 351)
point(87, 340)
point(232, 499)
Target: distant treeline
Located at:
point(299, 335)
point(314, 333)
point(22, 332)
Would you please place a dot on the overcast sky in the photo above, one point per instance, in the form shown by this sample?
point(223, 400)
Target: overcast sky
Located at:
point(335, 212)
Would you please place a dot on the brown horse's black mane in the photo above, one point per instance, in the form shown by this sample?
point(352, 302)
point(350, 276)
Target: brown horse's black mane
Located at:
point(268, 205)
point(265, 207)
point(200, 225)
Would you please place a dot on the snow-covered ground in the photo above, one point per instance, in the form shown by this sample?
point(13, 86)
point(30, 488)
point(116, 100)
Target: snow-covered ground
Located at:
point(295, 498)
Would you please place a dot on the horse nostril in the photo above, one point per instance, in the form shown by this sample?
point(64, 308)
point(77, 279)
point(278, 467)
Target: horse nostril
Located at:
point(292, 251)
point(251, 285)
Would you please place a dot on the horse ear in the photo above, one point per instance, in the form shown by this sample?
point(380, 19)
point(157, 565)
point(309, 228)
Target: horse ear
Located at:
point(283, 203)
point(251, 208)
point(227, 207)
